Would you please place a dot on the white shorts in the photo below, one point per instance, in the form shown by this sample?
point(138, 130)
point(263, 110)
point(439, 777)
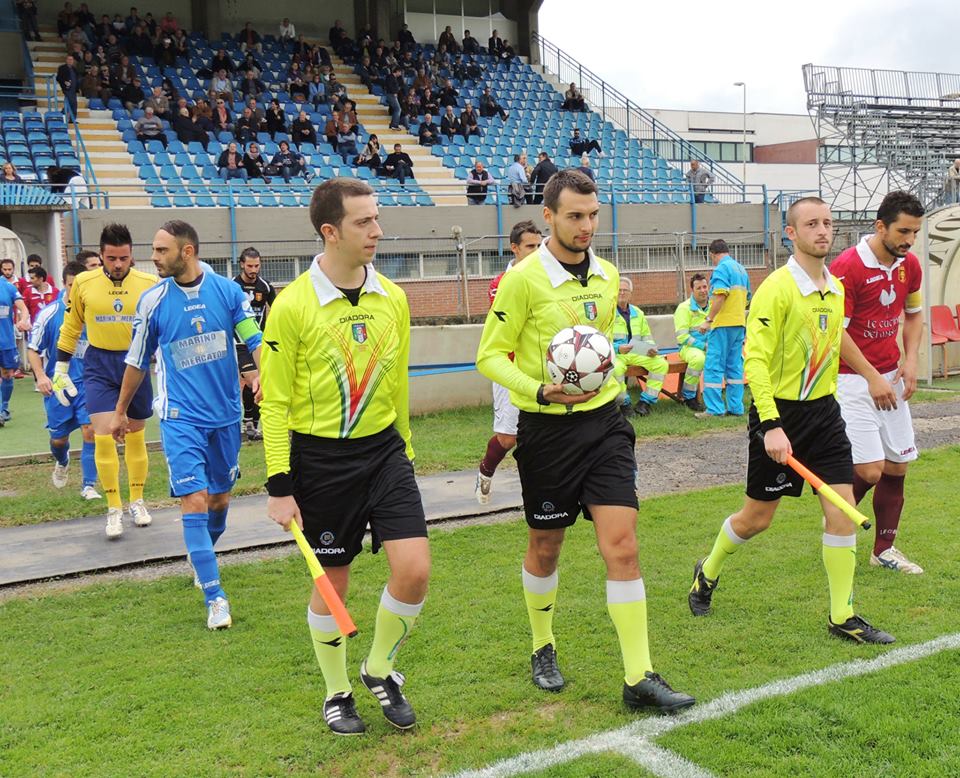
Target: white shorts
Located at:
point(505, 413)
point(875, 435)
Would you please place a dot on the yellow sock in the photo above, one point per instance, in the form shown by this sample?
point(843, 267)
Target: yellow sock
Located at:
point(726, 543)
point(541, 597)
point(108, 468)
point(135, 457)
point(395, 619)
point(840, 560)
point(330, 647)
point(627, 604)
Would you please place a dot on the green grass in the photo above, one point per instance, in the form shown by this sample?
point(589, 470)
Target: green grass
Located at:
point(123, 678)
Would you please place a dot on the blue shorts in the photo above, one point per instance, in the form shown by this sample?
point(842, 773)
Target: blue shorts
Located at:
point(200, 457)
point(9, 359)
point(64, 419)
point(102, 374)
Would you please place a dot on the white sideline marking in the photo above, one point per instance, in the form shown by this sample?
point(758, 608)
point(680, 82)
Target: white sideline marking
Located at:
point(636, 740)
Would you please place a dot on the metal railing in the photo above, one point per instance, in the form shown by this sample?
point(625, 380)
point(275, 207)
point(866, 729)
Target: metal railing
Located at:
point(827, 85)
point(615, 107)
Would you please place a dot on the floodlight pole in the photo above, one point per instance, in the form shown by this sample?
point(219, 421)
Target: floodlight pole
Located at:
point(743, 85)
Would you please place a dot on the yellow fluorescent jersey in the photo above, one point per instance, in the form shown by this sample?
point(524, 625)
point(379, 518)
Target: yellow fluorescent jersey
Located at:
point(106, 307)
point(534, 301)
point(793, 338)
point(332, 369)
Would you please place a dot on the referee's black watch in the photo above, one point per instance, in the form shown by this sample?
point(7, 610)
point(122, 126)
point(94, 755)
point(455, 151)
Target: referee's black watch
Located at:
point(770, 424)
point(541, 400)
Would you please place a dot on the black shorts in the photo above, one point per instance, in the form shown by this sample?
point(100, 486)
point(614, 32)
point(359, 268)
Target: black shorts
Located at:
point(341, 486)
point(571, 461)
point(818, 437)
point(245, 359)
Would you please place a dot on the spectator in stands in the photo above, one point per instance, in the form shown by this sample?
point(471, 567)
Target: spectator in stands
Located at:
point(573, 99)
point(170, 91)
point(181, 44)
point(257, 111)
point(339, 40)
point(247, 127)
point(288, 33)
point(66, 19)
point(87, 63)
point(289, 163)
point(517, 180)
point(149, 127)
point(299, 91)
point(221, 87)
point(449, 95)
point(370, 156)
point(251, 86)
point(428, 133)
point(184, 127)
point(469, 121)
point(952, 183)
point(700, 179)
point(398, 165)
point(585, 167)
point(27, 11)
point(150, 24)
point(254, 163)
point(222, 119)
point(347, 142)
point(159, 103)
point(165, 54)
point(302, 130)
point(169, 24)
point(448, 39)
point(580, 145)
point(330, 129)
point(139, 42)
point(90, 83)
point(470, 44)
point(406, 39)
point(250, 39)
point(336, 92)
point(541, 174)
point(478, 181)
point(317, 93)
point(490, 107)
point(131, 95)
point(133, 19)
point(104, 29)
point(9, 175)
point(252, 64)
point(69, 81)
point(507, 53)
point(77, 35)
point(494, 44)
point(392, 89)
point(450, 123)
point(221, 61)
point(276, 119)
point(230, 163)
point(429, 102)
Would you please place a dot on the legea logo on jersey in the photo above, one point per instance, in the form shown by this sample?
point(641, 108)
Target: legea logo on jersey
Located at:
point(118, 305)
point(590, 309)
point(197, 323)
point(359, 332)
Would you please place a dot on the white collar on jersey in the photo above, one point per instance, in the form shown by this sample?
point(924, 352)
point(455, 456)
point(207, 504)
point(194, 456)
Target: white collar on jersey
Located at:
point(558, 274)
point(804, 282)
point(870, 260)
point(327, 292)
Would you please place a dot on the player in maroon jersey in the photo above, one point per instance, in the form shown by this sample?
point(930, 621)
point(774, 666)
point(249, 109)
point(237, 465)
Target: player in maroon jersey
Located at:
point(882, 280)
point(525, 238)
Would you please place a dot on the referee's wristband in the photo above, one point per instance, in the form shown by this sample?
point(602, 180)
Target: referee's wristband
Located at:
point(280, 485)
point(541, 400)
point(771, 424)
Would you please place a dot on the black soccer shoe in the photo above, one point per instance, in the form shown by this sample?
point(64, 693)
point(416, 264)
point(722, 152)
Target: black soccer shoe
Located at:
point(694, 405)
point(341, 715)
point(627, 411)
point(701, 591)
point(396, 709)
point(859, 630)
point(641, 408)
point(546, 673)
point(654, 692)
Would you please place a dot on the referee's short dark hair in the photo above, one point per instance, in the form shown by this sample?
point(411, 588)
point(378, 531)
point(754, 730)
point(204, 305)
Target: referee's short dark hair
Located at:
point(718, 246)
point(697, 277)
point(522, 228)
point(568, 178)
point(898, 202)
point(115, 235)
point(327, 203)
point(184, 233)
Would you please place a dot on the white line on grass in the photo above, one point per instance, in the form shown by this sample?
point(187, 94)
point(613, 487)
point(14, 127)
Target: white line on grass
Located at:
point(636, 740)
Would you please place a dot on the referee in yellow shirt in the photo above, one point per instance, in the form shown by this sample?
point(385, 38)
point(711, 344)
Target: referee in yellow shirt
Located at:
point(573, 453)
point(336, 436)
point(793, 356)
point(105, 301)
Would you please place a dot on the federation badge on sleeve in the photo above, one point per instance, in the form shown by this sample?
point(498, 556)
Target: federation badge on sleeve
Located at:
point(590, 309)
point(360, 332)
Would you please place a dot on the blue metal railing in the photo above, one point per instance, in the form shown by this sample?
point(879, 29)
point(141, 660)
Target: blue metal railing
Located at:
point(615, 107)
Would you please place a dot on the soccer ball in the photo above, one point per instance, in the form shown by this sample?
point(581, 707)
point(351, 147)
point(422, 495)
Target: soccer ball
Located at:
point(580, 359)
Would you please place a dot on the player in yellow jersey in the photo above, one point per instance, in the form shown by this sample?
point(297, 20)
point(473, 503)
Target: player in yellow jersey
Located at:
point(793, 354)
point(105, 301)
point(336, 436)
point(573, 453)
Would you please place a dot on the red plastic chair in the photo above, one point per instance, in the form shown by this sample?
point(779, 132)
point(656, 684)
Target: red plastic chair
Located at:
point(943, 329)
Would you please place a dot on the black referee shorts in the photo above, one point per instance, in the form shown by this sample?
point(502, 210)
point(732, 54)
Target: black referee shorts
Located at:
point(571, 461)
point(342, 486)
point(245, 359)
point(818, 436)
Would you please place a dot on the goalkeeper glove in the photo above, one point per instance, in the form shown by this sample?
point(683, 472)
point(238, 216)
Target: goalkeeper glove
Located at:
point(63, 386)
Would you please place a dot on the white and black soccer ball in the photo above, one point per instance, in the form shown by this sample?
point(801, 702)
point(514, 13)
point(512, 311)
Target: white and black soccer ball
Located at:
point(580, 359)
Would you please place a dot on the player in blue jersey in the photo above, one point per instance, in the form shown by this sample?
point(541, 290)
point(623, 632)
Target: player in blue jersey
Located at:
point(63, 418)
point(189, 319)
point(11, 302)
